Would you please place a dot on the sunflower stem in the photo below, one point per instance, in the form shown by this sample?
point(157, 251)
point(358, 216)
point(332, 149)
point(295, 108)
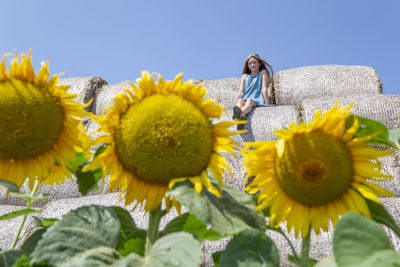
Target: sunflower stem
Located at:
point(290, 243)
point(152, 231)
point(305, 250)
point(28, 205)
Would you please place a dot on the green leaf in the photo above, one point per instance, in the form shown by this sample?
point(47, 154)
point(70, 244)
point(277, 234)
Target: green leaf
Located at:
point(176, 225)
point(9, 186)
point(250, 248)
point(17, 213)
point(80, 230)
point(44, 222)
point(23, 261)
point(30, 244)
point(381, 215)
point(327, 262)
point(128, 229)
point(394, 137)
point(30, 198)
point(234, 212)
point(382, 258)
point(133, 245)
point(200, 229)
point(86, 181)
point(9, 257)
point(100, 150)
point(176, 249)
point(369, 127)
point(100, 256)
point(216, 257)
point(189, 223)
point(356, 238)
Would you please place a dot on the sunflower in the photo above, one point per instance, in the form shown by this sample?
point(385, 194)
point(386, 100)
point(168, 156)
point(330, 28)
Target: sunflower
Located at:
point(159, 134)
point(315, 172)
point(40, 127)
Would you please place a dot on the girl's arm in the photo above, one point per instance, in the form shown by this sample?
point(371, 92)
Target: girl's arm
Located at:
point(241, 88)
point(264, 88)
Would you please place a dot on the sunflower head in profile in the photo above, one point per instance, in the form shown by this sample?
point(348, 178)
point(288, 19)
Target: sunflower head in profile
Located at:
point(158, 134)
point(40, 126)
point(315, 172)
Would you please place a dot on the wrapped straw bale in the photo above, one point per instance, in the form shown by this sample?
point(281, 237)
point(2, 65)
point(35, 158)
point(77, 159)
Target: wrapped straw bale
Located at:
point(85, 87)
point(66, 190)
point(293, 85)
point(263, 121)
point(106, 95)
point(393, 206)
point(383, 108)
point(226, 90)
point(223, 90)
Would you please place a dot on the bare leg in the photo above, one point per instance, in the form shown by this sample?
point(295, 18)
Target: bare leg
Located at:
point(240, 103)
point(248, 106)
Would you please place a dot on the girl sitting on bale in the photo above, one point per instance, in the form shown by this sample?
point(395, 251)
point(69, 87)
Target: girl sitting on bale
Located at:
point(253, 87)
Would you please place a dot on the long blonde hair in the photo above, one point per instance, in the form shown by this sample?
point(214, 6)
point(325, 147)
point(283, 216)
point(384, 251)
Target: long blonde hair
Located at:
point(263, 66)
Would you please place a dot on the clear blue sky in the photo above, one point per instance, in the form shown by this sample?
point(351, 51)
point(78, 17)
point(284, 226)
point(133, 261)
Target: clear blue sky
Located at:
point(204, 39)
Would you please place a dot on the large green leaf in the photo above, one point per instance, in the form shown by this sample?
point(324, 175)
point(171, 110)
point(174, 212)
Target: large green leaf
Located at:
point(251, 248)
point(95, 257)
point(80, 230)
point(30, 244)
point(189, 223)
point(9, 186)
point(17, 213)
point(176, 249)
point(128, 229)
point(356, 238)
point(234, 212)
point(327, 262)
point(9, 257)
point(382, 258)
point(133, 245)
point(369, 127)
point(381, 215)
point(394, 137)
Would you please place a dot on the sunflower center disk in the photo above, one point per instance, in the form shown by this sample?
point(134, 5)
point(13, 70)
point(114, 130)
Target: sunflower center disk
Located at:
point(314, 168)
point(164, 137)
point(30, 120)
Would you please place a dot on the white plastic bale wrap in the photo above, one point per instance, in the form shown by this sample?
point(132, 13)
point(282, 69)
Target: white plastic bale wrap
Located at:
point(293, 85)
point(86, 88)
point(393, 206)
point(223, 90)
point(263, 121)
point(383, 108)
point(226, 90)
point(106, 95)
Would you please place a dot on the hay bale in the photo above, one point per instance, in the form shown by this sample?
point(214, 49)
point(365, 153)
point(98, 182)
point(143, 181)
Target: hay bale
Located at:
point(85, 87)
point(293, 85)
point(225, 91)
point(383, 108)
point(392, 205)
point(263, 121)
point(106, 95)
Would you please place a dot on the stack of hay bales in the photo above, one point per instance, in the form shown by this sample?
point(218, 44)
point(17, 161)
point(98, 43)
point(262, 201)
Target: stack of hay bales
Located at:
point(296, 94)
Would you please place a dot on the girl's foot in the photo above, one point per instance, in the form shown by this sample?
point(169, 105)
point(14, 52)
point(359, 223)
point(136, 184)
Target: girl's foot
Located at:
point(241, 126)
point(236, 112)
